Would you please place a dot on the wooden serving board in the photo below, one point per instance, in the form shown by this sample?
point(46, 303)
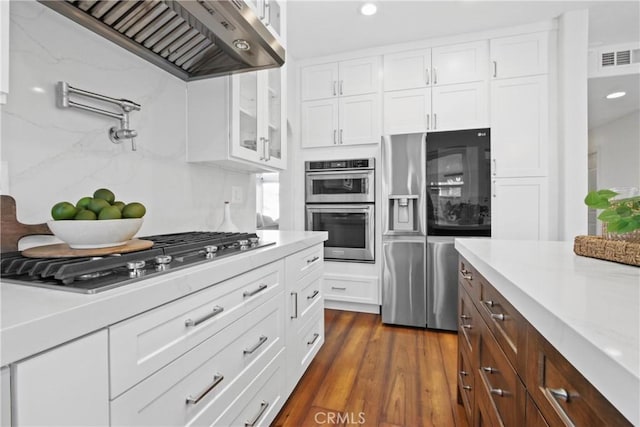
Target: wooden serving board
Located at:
point(62, 250)
point(12, 229)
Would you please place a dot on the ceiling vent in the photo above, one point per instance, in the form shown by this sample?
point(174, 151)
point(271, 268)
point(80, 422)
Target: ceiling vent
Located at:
point(621, 57)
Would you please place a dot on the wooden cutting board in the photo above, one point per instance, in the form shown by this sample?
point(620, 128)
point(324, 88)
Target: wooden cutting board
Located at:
point(12, 230)
point(62, 250)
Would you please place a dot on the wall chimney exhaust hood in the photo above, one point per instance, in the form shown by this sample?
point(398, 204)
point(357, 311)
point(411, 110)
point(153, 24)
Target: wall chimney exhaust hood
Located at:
point(192, 39)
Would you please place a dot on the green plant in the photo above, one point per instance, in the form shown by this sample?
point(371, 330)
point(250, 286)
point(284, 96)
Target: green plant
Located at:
point(620, 215)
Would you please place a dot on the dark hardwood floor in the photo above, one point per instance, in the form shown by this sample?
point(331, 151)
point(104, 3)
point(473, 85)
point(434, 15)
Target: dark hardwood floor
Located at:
point(372, 374)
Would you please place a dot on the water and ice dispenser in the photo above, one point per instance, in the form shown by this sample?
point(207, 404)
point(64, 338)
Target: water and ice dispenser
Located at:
point(403, 212)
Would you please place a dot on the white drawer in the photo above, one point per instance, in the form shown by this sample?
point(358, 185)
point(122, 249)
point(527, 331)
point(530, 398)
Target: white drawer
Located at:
point(144, 344)
point(261, 400)
point(310, 338)
point(362, 289)
point(305, 262)
point(308, 295)
point(211, 375)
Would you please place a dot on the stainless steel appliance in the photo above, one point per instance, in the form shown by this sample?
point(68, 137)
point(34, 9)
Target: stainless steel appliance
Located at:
point(459, 183)
point(340, 181)
point(404, 230)
point(442, 283)
point(89, 275)
point(340, 197)
point(351, 230)
point(190, 39)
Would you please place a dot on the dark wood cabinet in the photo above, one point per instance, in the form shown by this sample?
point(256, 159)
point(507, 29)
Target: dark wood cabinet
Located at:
point(509, 375)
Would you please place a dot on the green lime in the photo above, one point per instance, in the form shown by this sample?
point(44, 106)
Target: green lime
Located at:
point(104, 194)
point(85, 214)
point(119, 204)
point(110, 212)
point(63, 210)
point(134, 210)
point(83, 203)
point(96, 205)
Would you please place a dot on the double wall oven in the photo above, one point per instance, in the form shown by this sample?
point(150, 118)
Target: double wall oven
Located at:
point(340, 199)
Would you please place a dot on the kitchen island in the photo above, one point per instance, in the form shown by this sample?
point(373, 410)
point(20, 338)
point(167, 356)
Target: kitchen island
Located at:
point(587, 309)
point(137, 351)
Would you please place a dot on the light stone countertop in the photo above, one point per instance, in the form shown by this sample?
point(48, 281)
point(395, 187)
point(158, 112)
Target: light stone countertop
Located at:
point(36, 319)
point(588, 309)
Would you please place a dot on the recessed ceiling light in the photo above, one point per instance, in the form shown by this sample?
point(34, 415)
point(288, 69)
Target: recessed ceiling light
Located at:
point(368, 9)
point(615, 95)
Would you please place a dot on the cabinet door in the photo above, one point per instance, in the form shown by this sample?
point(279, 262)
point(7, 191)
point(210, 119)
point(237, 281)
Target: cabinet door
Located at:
point(463, 106)
point(359, 120)
point(244, 112)
point(461, 63)
point(4, 51)
point(407, 70)
point(275, 121)
point(523, 55)
point(66, 386)
point(5, 396)
point(359, 76)
point(407, 111)
point(320, 123)
point(519, 127)
point(518, 208)
point(319, 81)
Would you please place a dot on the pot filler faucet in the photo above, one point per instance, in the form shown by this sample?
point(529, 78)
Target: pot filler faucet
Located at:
point(116, 135)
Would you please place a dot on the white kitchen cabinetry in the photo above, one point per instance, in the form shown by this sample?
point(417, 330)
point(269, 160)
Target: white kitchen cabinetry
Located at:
point(305, 314)
point(520, 208)
point(346, 120)
point(340, 103)
point(444, 88)
point(345, 78)
point(351, 288)
point(238, 121)
point(522, 55)
point(4, 51)
point(68, 385)
point(5, 396)
point(272, 15)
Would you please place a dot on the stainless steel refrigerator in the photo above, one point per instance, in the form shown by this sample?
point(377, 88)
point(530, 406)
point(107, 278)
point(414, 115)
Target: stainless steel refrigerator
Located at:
point(404, 230)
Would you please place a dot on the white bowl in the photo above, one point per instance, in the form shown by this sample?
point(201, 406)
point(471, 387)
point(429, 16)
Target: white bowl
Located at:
point(91, 234)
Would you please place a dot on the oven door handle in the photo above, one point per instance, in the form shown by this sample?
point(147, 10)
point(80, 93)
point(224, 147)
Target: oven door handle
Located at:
point(341, 174)
point(340, 208)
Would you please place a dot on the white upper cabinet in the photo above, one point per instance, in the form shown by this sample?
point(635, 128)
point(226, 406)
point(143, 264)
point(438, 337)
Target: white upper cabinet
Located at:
point(407, 111)
point(518, 56)
point(4, 51)
point(345, 78)
point(320, 123)
point(520, 126)
point(407, 70)
point(272, 15)
point(238, 121)
point(459, 63)
point(460, 106)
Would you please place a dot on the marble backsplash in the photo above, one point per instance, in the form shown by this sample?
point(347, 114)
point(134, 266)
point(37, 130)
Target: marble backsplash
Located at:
point(51, 154)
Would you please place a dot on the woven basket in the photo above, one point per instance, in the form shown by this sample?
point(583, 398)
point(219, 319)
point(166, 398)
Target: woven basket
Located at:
point(611, 250)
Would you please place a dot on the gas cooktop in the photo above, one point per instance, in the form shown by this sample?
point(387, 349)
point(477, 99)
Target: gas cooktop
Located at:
point(89, 275)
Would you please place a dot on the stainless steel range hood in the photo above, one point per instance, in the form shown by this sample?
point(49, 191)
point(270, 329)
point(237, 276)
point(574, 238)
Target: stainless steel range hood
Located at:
point(192, 39)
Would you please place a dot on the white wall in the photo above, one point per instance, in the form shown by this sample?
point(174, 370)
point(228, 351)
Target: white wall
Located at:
point(573, 134)
point(58, 154)
point(618, 152)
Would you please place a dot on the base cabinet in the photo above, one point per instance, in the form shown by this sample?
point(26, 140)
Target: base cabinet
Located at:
point(509, 375)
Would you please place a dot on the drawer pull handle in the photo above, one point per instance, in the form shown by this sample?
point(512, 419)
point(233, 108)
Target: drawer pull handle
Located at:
point(467, 387)
point(559, 393)
point(498, 392)
point(338, 289)
point(263, 339)
point(263, 407)
point(295, 299)
point(467, 276)
point(464, 373)
point(216, 310)
point(489, 369)
point(498, 316)
point(315, 338)
point(312, 260)
point(217, 378)
point(467, 326)
point(252, 293)
point(489, 303)
point(465, 316)
point(313, 295)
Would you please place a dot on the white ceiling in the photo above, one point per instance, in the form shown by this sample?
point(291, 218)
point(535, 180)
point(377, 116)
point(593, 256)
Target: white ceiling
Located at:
point(325, 27)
